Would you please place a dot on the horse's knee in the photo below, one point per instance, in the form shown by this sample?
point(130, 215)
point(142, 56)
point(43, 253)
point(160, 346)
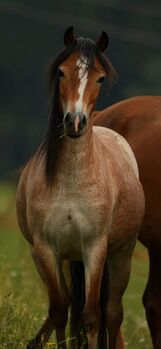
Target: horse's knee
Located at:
point(114, 320)
point(91, 317)
point(91, 325)
point(114, 316)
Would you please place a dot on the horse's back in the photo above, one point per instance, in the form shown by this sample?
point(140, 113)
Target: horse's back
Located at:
point(133, 118)
point(141, 108)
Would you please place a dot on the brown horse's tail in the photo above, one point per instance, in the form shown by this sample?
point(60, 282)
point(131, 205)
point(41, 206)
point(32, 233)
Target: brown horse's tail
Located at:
point(78, 302)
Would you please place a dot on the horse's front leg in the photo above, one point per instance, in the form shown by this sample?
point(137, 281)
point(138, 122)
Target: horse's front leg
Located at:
point(119, 271)
point(58, 308)
point(94, 264)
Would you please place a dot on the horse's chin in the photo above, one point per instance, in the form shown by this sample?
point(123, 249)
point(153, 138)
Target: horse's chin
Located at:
point(75, 135)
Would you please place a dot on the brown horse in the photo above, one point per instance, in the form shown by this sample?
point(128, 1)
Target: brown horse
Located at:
point(80, 203)
point(139, 121)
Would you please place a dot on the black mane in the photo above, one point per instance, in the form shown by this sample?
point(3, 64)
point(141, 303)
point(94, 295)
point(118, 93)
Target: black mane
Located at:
point(52, 141)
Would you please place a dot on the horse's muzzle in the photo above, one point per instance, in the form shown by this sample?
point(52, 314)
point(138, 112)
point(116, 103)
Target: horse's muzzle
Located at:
point(74, 123)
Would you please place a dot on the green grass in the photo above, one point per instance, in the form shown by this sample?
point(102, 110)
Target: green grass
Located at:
point(23, 300)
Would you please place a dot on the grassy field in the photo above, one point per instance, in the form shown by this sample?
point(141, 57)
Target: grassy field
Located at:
point(23, 301)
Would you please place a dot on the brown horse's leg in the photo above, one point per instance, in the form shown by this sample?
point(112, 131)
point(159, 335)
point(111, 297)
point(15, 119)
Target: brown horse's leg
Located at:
point(57, 320)
point(119, 270)
point(42, 336)
point(152, 298)
point(59, 314)
point(58, 309)
point(94, 265)
point(119, 341)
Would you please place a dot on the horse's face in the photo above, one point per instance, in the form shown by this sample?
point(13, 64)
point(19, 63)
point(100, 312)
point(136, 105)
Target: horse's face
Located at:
point(79, 88)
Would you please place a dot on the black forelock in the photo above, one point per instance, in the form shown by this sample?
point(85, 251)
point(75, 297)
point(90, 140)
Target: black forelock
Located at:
point(88, 50)
point(85, 47)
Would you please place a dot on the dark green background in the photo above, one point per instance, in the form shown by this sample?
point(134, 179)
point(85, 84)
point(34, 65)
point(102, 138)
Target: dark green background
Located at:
point(31, 32)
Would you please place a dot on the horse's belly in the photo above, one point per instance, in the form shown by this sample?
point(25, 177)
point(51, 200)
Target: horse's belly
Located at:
point(70, 230)
point(65, 239)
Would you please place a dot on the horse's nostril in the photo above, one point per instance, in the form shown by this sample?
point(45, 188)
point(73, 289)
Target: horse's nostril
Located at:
point(67, 117)
point(74, 123)
point(84, 121)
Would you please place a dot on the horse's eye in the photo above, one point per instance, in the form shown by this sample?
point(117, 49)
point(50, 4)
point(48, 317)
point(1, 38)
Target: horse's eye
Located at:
point(60, 73)
point(101, 80)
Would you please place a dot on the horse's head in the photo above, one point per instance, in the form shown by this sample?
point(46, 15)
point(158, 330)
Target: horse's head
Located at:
point(81, 69)
point(75, 77)
point(81, 76)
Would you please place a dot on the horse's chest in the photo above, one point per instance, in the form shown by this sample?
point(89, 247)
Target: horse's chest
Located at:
point(72, 224)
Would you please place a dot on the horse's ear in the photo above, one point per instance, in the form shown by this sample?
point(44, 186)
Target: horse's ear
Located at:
point(102, 42)
point(69, 36)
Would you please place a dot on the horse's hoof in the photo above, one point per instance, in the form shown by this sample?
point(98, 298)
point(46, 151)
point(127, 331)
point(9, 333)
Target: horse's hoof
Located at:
point(33, 345)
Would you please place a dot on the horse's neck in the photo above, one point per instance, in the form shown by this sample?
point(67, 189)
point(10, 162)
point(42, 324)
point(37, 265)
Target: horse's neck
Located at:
point(77, 159)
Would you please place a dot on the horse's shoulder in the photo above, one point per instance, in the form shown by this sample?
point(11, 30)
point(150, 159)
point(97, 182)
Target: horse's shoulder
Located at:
point(107, 135)
point(117, 145)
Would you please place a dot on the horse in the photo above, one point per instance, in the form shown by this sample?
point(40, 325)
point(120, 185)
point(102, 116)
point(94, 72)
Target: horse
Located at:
point(80, 204)
point(138, 119)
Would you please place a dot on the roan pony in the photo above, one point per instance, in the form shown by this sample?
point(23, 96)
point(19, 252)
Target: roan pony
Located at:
point(80, 203)
point(138, 119)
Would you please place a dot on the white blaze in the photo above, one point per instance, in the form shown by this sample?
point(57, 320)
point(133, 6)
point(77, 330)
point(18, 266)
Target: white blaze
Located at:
point(82, 75)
